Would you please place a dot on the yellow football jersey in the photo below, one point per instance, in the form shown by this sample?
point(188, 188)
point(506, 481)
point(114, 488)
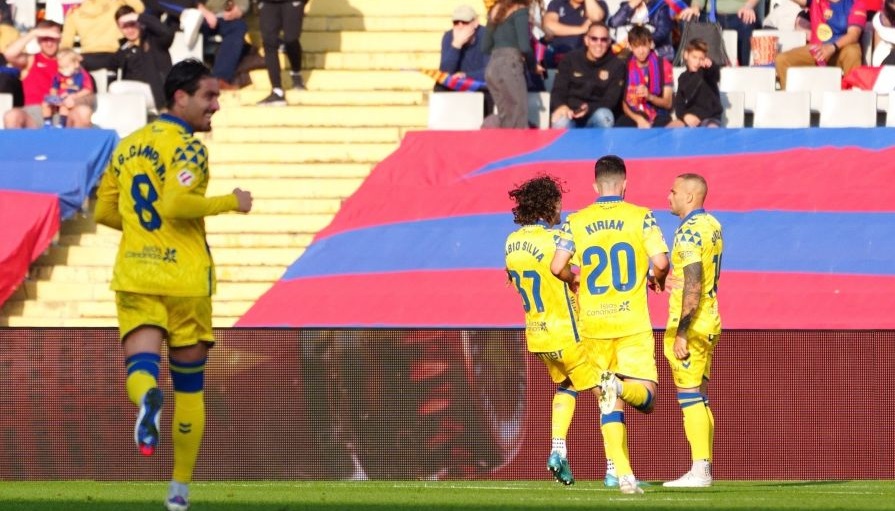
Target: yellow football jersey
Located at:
point(549, 307)
point(154, 191)
point(698, 239)
point(613, 241)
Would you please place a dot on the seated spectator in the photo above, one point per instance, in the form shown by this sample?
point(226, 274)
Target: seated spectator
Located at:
point(835, 38)
point(461, 51)
point(225, 18)
point(648, 92)
point(143, 55)
point(697, 101)
point(589, 84)
point(69, 84)
point(736, 15)
point(565, 22)
point(884, 36)
point(93, 23)
point(8, 32)
point(38, 71)
point(654, 15)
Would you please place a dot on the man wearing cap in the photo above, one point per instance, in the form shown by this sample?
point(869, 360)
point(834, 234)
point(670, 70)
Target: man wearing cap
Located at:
point(38, 71)
point(461, 51)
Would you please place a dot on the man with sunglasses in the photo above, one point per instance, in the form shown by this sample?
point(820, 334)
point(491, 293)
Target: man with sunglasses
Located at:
point(461, 51)
point(38, 71)
point(143, 55)
point(589, 84)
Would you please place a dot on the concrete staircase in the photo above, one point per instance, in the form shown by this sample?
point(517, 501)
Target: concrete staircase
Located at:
point(299, 161)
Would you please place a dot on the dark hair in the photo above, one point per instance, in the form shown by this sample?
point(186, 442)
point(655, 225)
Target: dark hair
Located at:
point(698, 45)
point(185, 76)
point(639, 35)
point(610, 167)
point(536, 199)
point(503, 7)
point(124, 10)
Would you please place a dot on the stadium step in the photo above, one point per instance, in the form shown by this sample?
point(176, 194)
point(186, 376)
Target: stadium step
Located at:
point(297, 189)
point(321, 135)
point(250, 96)
point(360, 61)
point(290, 170)
point(322, 116)
point(383, 8)
point(342, 80)
point(298, 152)
point(427, 23)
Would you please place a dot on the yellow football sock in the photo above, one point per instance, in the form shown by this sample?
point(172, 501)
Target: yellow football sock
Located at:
point(138, 384)
point(697, 425)
point(615, 441)
point(563, 410)
point(708, 411)
point(187, 430)
point(635, 394)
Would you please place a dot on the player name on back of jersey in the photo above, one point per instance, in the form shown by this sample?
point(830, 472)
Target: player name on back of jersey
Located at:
point(603, 225)
point(526, 246)
point(146, 152)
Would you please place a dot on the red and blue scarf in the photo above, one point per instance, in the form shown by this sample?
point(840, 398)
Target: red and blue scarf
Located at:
point(652, 78)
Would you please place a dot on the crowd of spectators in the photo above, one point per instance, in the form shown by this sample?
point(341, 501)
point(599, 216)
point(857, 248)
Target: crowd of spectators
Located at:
point(613, 66)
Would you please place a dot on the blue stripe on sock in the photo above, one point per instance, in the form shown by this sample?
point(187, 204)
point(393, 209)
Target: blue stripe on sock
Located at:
point(187, 376)
point(570, 392)
point(146, 362)
point(616, 416)
point(646, 404)
point(688, 399)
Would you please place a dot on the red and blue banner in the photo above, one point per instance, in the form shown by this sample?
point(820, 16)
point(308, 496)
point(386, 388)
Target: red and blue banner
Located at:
point(808, 216)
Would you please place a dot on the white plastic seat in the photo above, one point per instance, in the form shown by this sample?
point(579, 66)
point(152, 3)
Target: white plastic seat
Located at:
point(5, 105)
point(135, 87)
point(101, 79)
point(848, 109)
point(749, 80)
point(678, 71)
point(124, 113)
point(539, 109)
point(734, 113)
point(732, 46)
point(456, 110)
point(890, 114)
point(814, 80)
point(782, 109)
point(180, 50)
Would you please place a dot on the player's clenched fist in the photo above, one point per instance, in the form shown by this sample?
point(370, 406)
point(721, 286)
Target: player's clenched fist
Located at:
point(245, 200)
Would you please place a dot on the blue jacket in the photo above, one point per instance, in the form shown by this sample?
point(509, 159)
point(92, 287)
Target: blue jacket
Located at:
point(469, 59)
point(659, 19)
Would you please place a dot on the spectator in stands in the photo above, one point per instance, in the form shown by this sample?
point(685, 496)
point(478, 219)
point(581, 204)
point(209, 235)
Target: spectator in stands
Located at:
point(654, 15)
point(10, 83)
point(143, 55)
point(835, 37)
point(38, 72)
point(697, 101)
point(508, 42)
point(648, 93)
point(93, 24)
point(69, 84)
point(884, 36)
point(8, 32)
point(566, 21)
point(225, 18)
point(739, 15)
point(461, 51)
point(284, 16)
point(589, 84)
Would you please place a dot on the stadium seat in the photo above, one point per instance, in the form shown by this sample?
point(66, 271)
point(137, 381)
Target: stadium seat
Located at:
point(101, 79)
point(5, 106)
point(135, 87)
point(884, 87)
point(539, 109)
point(124, 113)
point(848, 109)
point(867, 42)
point(734, 114)
point(730, 44)
point(456, 110)
point(179, 49)
point(678, 71)
point(890, 114)
point(815, 81)
point(782, 109)
point(548, 81)
point(750, 80)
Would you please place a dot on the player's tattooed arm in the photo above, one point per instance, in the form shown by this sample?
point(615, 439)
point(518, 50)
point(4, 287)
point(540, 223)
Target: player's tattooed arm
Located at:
point(692, 294)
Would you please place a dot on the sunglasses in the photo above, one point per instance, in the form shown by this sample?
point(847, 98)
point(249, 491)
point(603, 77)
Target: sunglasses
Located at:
point(602, 39)
point(47, 40)
point(461, 22)
point(129, 24)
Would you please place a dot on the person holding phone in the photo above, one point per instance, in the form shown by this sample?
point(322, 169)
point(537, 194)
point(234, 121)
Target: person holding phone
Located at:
point(589, 84)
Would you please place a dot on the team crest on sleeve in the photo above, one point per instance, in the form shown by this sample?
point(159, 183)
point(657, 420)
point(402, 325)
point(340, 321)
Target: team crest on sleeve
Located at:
point(649, 221)
point(185, 177)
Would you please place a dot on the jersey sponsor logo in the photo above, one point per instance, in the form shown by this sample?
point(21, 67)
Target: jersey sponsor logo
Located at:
point(185, 177)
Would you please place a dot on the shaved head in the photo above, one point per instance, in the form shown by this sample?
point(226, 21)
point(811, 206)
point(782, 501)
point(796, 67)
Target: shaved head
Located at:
point(695, 184)
point(687, 194)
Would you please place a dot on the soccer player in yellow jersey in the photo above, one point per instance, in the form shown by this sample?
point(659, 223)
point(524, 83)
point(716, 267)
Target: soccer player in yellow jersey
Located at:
point(694, 325)
point(615, 243)
point(154, 192)
point(551, 331)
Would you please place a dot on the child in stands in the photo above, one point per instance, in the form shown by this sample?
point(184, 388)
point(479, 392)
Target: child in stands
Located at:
point(698, 100)
point(70, 82)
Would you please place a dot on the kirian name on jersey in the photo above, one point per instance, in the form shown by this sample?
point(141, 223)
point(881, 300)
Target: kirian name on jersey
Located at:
point(603, 225)
point(146, 152)
point(526, 246)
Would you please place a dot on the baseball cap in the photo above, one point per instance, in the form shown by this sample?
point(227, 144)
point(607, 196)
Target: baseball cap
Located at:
point(464, 13)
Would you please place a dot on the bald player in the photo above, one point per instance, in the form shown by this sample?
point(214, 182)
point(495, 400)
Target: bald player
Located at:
point(694, 325)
